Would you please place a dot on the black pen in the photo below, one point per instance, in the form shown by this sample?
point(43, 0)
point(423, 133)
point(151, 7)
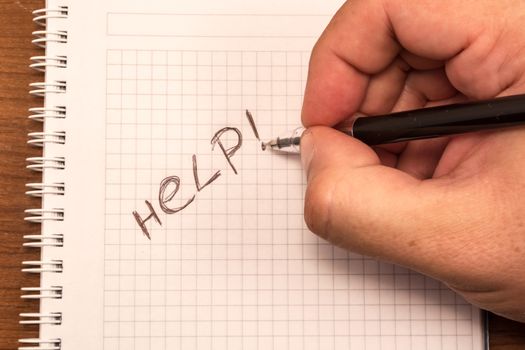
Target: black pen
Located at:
point(423, 123)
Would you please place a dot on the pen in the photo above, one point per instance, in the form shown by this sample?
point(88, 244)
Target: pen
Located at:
point(423, 123)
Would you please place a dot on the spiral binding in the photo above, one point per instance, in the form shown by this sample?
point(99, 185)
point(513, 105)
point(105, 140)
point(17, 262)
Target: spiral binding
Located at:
point(40, 344)
point(39, 241)
point(41, 163)
point(40, 266)
point(41, 189)
point(42, 113)
point(43, 37)
point(41, 63)
point(41, 89)
point(54, 292)
point(54, 318)
point(41, 16)
point(41, 138)
point(51, 140)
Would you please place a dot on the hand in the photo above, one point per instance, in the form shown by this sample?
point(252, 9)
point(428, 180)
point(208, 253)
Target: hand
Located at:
point(451, 208)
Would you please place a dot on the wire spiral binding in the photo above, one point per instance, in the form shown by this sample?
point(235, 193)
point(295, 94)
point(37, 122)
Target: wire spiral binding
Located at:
point(54, 292)
point(40, 344)
point(54, 266)
point(41, 89)
point(43, 37)
point(41, 63)
point(38, 216)
point(41, 163)
point(41, 189)
point(42, 15)
point(51, 113)
point(39, 241)
point(42, 113)
point(41, 318)
point(41, 138)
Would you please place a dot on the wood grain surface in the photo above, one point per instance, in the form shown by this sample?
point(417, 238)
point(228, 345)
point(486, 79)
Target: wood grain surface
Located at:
point(15, 49)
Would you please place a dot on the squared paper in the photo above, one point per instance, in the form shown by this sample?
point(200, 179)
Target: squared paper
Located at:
point(237, 268)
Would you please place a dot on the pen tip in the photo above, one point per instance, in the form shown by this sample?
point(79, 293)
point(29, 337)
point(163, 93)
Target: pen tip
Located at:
point(268, 145)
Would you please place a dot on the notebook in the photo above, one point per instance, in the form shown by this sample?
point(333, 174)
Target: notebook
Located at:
point(164, 225)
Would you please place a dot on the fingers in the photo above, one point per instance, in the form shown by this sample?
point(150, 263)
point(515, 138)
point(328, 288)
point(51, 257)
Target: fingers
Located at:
point(424, 159)
point(424, 86)
point(355, 44)
point(361, 41)
point(384, 89)
point(494, 61)
point(420, 63)
point(365, 37)
point(419, 158)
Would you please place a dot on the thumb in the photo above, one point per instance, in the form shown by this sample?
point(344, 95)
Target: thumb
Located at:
point(357, 203)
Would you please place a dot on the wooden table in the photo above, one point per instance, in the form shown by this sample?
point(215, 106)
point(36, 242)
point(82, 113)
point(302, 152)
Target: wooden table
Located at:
point(15, 49)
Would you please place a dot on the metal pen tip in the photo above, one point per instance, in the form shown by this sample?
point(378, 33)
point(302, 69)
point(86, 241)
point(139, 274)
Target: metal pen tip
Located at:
point(287, 144)
point(268, 145)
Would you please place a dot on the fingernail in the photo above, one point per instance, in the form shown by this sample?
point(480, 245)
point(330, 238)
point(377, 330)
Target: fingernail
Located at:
point(307, 149)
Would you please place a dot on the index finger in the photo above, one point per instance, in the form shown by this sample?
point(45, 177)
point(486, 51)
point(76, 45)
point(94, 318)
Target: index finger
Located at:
point(346, 53)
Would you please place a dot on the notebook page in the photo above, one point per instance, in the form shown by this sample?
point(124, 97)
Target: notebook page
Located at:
point(186, 234)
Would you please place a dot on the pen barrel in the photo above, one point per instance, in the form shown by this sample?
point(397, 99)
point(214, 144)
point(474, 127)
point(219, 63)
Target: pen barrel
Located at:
point(441, 121)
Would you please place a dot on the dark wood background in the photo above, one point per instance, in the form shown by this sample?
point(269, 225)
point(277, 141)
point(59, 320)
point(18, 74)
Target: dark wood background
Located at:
point(15, 49)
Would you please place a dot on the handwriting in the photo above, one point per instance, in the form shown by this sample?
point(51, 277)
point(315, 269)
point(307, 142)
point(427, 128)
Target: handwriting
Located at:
point(196, 175)
point(252, 124)
point(142, 222)
point(164, 199)
point(254, 129)
point(167, 192)
point(228, 153)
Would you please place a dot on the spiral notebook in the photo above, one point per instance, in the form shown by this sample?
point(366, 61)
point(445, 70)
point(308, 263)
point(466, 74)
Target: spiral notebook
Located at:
point(164, 225)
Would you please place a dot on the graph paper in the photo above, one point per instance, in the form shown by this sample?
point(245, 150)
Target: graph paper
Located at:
point(237, 268)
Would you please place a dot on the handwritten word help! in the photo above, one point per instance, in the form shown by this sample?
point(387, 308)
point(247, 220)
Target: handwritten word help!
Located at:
point(169, 186)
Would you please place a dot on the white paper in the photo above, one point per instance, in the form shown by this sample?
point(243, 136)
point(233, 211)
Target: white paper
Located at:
point(149, 85)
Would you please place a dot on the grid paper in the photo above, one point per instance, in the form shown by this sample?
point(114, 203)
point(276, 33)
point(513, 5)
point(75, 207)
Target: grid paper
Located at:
point(237, 268)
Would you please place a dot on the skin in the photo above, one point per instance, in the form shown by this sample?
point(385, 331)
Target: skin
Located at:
point(452, 208)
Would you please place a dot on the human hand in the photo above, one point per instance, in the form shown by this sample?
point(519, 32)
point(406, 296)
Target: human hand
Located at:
point(451, 208)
